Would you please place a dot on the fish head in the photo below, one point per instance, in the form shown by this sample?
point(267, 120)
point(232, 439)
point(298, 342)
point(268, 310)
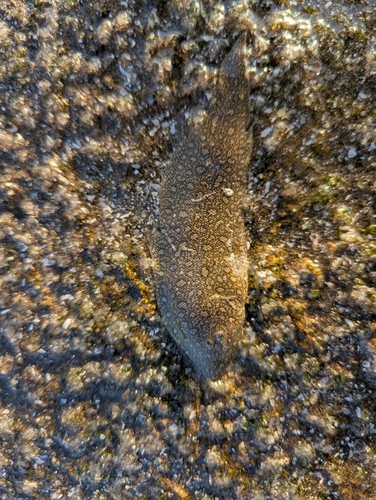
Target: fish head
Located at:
point(210, 339)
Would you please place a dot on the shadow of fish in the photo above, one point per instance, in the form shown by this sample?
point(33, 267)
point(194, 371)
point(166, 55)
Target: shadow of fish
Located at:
point(199, 246)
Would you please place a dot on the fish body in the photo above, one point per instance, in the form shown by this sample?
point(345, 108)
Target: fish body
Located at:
point(200, 243)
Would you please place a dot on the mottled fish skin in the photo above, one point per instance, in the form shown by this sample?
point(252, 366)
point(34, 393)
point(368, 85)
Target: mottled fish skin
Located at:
point(200, 244)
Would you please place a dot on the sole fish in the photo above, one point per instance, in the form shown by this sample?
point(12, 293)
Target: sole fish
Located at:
point(199, 245)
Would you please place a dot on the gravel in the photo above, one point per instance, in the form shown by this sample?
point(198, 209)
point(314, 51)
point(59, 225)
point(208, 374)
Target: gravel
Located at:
point(96, 401)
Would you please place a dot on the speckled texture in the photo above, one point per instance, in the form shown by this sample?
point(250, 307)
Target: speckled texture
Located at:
point(96, 400)
point(200, 244)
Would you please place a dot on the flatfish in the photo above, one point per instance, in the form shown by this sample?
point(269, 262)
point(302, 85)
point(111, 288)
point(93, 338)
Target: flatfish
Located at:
point(199, 244)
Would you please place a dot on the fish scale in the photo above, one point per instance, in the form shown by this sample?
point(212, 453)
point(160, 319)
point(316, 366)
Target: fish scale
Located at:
point(199, 246)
